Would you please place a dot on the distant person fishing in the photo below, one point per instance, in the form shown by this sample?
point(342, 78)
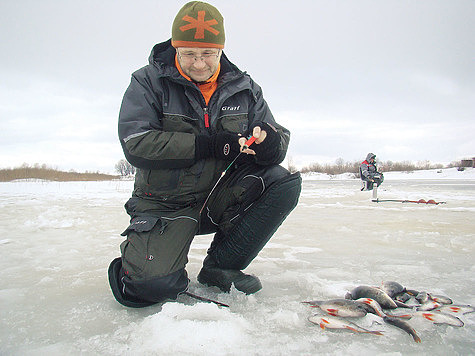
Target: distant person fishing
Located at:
point(369, 173)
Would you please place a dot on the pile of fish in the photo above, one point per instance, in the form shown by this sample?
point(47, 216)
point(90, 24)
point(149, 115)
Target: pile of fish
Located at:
point(389, 296)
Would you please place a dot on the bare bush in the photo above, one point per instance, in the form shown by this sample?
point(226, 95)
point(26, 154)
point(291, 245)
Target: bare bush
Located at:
point(124, 168)
point(291, 166)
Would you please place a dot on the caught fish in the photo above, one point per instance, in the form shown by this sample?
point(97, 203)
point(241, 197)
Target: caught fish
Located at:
point(429, 305)
point(403, 298)
point(375, 308)
point(374, 305)
point(441, 318)
point(422, 297)
point(384, 300)
point(440, 299)
point(332, 322)
point(401, 324)
point(344, 308)
point(392, 288)
point(457, 309)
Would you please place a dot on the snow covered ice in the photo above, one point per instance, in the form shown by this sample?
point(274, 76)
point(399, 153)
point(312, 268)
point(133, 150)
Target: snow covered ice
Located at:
point(58, 238)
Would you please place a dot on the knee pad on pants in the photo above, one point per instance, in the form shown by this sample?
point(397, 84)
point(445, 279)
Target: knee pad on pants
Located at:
point(143, 293)
point(157, 289)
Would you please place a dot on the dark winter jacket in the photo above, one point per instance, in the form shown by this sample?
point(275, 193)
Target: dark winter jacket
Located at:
point(162, 113)
point(368, 170)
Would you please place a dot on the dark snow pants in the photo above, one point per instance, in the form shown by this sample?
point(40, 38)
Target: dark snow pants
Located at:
point(244, 211)
point(376, 180)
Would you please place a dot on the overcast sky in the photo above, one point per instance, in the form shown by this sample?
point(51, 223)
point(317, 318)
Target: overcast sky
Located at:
point(392, 77)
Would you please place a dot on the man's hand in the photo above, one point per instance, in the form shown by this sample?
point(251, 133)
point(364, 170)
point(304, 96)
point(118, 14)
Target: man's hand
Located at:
point(259, 135)
point(267, 142)
point(223, 145)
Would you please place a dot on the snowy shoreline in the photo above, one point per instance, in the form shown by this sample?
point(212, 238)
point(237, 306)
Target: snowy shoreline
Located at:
point(446, 173)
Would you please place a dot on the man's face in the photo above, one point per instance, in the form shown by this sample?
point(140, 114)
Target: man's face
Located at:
point(199, 63)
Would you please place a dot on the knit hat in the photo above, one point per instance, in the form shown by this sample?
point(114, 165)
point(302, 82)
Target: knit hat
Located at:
point(198, 24)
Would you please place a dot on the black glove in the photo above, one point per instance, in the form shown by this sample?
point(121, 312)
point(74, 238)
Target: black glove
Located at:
point(223, 145)
point(269, 148)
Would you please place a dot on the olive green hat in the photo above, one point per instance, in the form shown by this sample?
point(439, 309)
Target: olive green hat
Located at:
point(198, 24)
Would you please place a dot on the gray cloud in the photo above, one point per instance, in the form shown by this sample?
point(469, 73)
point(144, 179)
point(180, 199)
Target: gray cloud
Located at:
point(347, 77)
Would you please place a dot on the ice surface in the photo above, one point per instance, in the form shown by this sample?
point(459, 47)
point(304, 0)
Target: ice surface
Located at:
point(57, 240)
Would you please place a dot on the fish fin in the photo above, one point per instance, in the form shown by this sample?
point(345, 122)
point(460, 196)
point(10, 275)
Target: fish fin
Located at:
point(352, 329)
point(322, 325)
point(402, 316)
point(459, 326)
point(376, 322)
point(412, 292)
point(428, 316)
point(401, 304)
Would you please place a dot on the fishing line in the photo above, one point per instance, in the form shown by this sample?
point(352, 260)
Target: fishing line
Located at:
point(248, 143)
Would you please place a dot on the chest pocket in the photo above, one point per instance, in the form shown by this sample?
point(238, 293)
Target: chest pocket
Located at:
point(237, 123)
point(179, 123)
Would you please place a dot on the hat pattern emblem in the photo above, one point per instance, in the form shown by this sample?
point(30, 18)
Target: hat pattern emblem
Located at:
point(200, 24)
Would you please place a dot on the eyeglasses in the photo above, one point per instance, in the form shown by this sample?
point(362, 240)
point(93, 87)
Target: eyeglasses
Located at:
point(191, 57)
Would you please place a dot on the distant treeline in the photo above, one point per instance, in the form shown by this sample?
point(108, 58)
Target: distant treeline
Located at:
point(47, 173)
point(340, 166)
point(38, 171)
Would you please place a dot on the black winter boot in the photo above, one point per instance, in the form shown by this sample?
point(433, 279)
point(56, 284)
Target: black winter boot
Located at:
point(212, 275)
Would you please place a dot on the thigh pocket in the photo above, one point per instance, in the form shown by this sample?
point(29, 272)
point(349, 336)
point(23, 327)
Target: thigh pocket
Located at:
point(135, 250)
point(230, 203)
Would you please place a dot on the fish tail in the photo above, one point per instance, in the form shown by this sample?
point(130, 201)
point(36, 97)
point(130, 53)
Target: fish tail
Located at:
point(403, 326)
point(469, 311)
point(414, 335)
point(416, 338)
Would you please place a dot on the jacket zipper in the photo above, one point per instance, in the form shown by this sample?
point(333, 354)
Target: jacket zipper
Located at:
point(205, 110)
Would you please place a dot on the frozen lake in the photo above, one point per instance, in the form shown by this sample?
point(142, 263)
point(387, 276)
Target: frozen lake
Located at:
point(57, 240)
